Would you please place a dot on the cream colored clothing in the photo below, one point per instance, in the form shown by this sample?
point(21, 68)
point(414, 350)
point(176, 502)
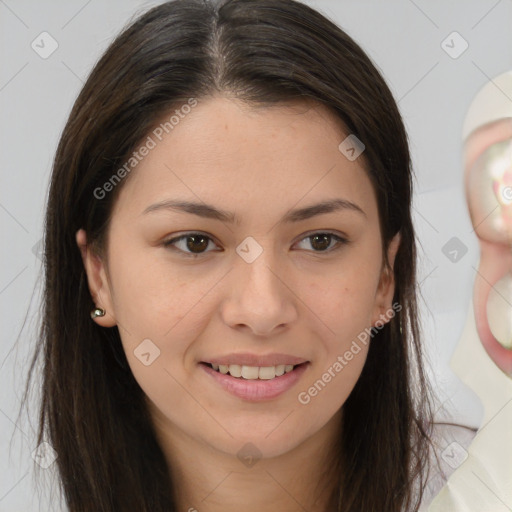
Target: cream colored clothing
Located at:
point(483, 481)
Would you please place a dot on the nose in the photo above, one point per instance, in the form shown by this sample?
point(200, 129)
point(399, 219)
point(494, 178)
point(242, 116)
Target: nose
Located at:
point(260, 296)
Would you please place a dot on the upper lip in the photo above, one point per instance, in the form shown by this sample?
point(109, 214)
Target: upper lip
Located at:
point(246, 359)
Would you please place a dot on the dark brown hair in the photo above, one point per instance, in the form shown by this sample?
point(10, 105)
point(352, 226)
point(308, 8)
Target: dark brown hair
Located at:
point(263, 52)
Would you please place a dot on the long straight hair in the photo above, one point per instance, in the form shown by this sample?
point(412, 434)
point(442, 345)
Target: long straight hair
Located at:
point(263, 52)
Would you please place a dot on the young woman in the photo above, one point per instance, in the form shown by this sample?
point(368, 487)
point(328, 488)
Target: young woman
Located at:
point(230, 313)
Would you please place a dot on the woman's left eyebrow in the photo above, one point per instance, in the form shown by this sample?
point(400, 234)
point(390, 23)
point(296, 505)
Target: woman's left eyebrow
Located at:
point(211, 212)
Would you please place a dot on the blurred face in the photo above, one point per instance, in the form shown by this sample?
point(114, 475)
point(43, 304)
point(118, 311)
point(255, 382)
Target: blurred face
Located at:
point(244, 260)
point(488, 196)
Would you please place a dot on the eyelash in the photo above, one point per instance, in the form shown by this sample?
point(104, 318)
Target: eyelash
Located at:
point(169, 243)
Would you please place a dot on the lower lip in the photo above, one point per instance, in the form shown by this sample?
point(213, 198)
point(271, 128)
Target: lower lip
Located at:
point(257, 390)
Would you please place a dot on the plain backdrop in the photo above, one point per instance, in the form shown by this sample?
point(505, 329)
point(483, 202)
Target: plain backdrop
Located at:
point(433, 82)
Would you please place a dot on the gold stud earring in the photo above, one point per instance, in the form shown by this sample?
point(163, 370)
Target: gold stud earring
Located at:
point(96, 312)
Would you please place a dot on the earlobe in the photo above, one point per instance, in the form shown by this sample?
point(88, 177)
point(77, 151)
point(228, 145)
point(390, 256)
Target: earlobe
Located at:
point(99, 287)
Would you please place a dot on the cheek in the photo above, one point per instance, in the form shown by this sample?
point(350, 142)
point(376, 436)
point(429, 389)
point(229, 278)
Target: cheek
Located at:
point(347, 312)
point(157, 301)
point(329, 386)
point(345, 304)
point(345, 300)
point(159, 310)
point(152, 290)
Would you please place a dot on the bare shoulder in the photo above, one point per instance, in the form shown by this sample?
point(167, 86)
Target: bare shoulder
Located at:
point(450, 444)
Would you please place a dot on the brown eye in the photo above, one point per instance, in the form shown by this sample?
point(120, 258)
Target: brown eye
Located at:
point(191, 243)
point(197, 243)
point(321, 242)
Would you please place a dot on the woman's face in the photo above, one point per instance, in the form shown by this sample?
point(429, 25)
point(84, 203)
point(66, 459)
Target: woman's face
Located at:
point(257, 291)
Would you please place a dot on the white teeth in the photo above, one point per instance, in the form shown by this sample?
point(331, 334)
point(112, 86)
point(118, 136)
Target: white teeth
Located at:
point(250, 372)
point(253, 372)
point(235, 370)
point(279, 370)
point(267, 372)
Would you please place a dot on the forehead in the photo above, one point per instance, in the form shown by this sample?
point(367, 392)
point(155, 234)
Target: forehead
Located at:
point(225, 152)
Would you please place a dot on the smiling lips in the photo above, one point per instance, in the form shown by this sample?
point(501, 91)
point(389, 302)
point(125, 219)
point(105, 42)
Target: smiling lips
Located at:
point(252, 367)
point(257, 390)
point(256, 378)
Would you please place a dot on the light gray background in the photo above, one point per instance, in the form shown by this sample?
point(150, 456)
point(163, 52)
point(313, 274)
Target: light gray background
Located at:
point(404, 40)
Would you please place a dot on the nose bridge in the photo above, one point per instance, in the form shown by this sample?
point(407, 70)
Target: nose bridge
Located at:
point(257, 296)
point(256, 268)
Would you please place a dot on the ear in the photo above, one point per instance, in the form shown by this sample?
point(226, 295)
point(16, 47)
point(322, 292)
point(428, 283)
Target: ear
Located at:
point(99, 285)
point(386, 286)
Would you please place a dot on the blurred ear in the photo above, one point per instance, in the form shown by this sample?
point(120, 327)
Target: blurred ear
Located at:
point(99, 285)
point(386, 286)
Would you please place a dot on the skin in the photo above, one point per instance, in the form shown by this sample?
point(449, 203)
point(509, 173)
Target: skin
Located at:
point(495, 258)
point(292, 299)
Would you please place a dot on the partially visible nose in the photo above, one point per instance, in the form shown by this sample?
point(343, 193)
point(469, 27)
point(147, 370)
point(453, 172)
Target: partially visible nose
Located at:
point(259, 298)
